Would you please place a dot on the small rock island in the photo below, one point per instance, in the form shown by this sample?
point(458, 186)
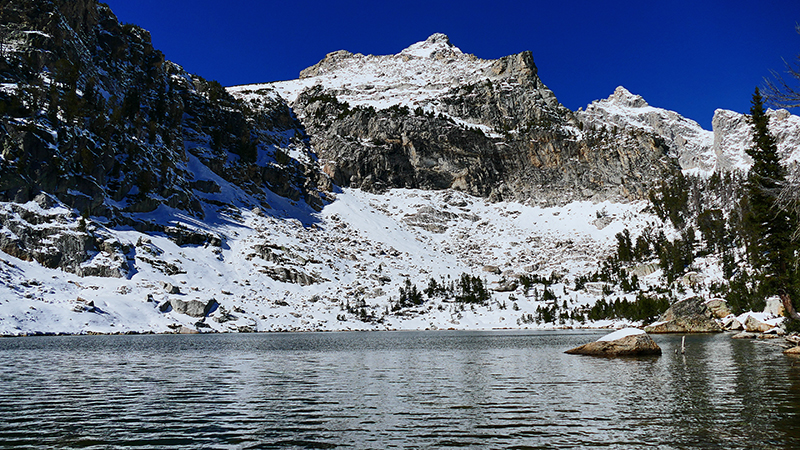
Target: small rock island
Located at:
point(624, 342)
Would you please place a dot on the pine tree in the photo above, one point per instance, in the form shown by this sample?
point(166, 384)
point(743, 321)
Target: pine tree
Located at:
point(770, 248)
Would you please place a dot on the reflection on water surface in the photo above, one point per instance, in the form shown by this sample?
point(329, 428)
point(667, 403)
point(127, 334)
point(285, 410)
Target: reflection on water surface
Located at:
point(392, 390)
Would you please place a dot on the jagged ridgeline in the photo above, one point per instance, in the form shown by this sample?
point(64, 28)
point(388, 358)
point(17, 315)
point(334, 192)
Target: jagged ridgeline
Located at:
point(91, 113)
point(432, 117)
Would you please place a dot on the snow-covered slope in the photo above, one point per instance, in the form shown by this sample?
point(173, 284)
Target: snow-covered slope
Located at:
point(413, 77)
point(272, 271)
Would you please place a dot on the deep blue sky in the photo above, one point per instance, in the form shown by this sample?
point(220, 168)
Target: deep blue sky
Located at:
point(689, 56)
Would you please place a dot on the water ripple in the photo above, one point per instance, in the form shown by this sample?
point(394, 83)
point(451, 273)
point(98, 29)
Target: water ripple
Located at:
point(390, 390)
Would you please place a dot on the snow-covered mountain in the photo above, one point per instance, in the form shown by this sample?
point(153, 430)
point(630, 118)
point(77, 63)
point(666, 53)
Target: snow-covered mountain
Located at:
point(697, 150)
point(689, 143)
point(733, 135)
point(425, 189)
point(418, 76)
point(433, 117)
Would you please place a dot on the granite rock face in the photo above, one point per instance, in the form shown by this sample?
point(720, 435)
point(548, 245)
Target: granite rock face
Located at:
point(102, 121)
point(719, 308)
point(696, 150)
point(432, 117)
point(691, 315)
point(687, 141)
point(634, 345)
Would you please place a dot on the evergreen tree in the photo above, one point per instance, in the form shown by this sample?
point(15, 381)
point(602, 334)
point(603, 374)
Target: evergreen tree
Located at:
point(770, 248)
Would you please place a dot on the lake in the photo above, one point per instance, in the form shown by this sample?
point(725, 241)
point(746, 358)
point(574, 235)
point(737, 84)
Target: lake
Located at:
point(376, 390)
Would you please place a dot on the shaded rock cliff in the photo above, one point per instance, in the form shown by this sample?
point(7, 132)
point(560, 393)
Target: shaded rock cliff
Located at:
point(93, 115)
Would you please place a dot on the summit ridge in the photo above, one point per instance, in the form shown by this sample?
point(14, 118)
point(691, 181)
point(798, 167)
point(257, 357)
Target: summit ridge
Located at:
point(437, 45)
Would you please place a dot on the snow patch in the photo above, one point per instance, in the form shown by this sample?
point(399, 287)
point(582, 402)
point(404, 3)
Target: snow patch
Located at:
point(619, 334)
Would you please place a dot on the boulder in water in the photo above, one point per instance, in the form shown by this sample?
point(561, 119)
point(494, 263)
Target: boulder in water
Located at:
point(625, 342)
point(793, 351)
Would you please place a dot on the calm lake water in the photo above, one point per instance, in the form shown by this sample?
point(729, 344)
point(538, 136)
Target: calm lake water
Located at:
point(503, 390)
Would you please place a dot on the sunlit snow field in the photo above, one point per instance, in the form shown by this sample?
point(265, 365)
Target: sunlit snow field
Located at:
point(359, 247)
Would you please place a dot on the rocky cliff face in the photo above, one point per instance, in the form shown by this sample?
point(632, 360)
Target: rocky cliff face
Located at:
point(733, 135)
point(92, 114)
point(622, 112)
point(695, 149)
point(433, 117)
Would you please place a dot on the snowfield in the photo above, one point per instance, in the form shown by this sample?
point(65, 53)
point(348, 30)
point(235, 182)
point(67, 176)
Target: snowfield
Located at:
point(414, 77)
point(356, 253)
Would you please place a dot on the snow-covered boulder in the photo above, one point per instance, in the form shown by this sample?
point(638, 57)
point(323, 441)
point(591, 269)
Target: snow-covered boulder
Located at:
point(774, 306)
point(625, 342)
point(193, 308)
point(754, 325)
point(731, 323)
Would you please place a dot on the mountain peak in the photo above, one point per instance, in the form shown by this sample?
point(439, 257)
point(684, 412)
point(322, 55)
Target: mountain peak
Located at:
point(436, 38)
point(436, 44)
point(622, 96)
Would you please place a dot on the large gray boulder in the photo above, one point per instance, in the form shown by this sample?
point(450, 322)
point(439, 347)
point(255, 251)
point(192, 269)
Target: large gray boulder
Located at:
point(691, 315)
point(193, 308)
point(754, 325)
point(625, 342)
point(719, 308)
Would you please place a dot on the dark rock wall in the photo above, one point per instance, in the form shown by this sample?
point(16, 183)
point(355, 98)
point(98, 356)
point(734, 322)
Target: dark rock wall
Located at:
point(535, 148)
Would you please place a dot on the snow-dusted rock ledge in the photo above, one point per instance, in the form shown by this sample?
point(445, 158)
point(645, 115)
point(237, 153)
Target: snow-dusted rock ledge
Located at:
point(625, 342)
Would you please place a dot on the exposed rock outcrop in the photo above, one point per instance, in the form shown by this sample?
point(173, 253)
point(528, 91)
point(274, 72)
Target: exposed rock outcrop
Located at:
point(627, 342)
point(691, 315)
point(487, 127)
point(686, 139)
point(193, 308)
point(45, 231)
point(719, 308)
point(116, 128)
point(696, 149)
point(733, 135)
